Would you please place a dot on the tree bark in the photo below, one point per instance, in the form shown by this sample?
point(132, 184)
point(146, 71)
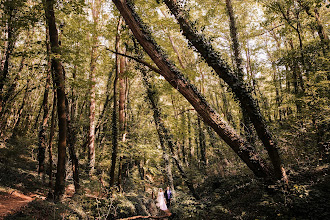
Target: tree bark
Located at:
point(190, 146)
point(10, 47)
point(121, 118)
point(215, 61)
point(247, 125)
point(190, 92)
point(42, 131)
point(45, 106)
point(91, 146)
point(114, 112)
point(202, 144)
point(50, 144)
point(71, 141)
point(61, 106)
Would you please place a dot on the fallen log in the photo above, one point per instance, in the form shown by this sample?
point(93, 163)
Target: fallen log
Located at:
point(146, 217)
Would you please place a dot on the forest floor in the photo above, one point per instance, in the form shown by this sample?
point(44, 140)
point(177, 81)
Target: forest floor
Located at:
point(22, 195)
point(12, 202)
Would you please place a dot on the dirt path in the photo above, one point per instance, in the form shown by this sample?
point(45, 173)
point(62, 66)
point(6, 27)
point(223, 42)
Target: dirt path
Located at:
point(13, 202)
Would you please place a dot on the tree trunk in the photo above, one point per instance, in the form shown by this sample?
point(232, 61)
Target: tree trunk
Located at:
point(239, 69)
point(190, 92)
point(189, 159)
point(72, 136)
point(121, 119)
point(295, 73)
point(10, 47)
point(50, 144)
point(114, 112)
point(42, 131)
point(61, 106)
point(202, 144)
point(71, 147)
point(91, 146)
point(183, 135)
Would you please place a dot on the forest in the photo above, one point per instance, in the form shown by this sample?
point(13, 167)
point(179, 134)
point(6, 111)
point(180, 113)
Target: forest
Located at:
point(165, 109)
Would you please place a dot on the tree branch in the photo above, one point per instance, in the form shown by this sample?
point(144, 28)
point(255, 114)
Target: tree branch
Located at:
point(137, 60)
point(146, 217)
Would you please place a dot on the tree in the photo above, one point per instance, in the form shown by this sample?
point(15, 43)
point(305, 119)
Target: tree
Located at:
point(96, 7)
point(114, 112)
point(59, 82)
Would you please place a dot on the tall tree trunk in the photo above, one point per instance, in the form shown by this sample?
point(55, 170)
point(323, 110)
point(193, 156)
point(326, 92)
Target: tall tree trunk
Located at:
point(202, 144)
point(183, 135)
point(72, 136)
point(59, 82)
point(189, 159)
point(108, 99)
point(190, 92)
point(71, 141)
point(226, 105)
point(42, 131)
point(114, 112)
point(91, 146)
point(295, 73)
point(247, 125)
point(215, 61)
point(10, 47)
point(121, 117)
point(50, 144)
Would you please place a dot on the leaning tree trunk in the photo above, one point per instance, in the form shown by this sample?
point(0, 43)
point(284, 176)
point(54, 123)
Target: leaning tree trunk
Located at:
point(247, 102)
point(243, 149)
point(59, 82)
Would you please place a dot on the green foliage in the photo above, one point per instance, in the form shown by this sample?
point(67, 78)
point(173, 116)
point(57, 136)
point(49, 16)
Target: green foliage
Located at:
point(273, 58)
point(186, 207)
point(42, 209)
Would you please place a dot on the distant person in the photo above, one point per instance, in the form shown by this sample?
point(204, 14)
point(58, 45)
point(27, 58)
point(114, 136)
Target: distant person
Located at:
point(168, 196)
point(161, 200)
